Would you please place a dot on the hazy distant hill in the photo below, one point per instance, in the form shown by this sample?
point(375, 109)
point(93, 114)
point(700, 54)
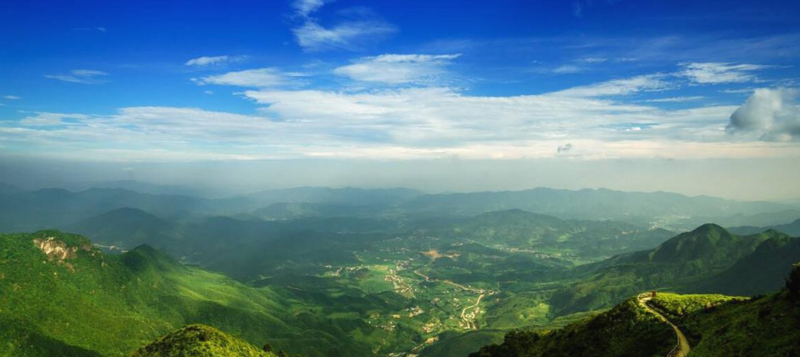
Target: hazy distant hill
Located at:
point(792, 229)
point(520, 229)
point(127, 228)
point(6, 189)
point(591, 204)
point(48, 208)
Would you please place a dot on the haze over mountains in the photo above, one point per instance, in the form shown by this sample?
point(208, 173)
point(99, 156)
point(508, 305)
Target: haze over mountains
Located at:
point(30, 210)
point(356, 272)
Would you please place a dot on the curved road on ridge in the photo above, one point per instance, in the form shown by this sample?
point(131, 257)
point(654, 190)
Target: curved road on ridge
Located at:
point(682, 348)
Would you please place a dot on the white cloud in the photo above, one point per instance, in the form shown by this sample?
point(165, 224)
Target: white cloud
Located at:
point(361, 26)
point(400, 123)
point(717, 73)
point(215, 60)
point(645, 83)
point(259, 78)
point(771, 114)
point(568, 69)
point(675, 99)
point(306, 7)
point(52, 119)
point(12, 97)
point(347, 35)
point(593, 60)
point(84, 76)
point(398, 69)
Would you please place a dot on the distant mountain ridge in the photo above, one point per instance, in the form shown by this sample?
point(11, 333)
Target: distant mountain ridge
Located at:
point(590, 204)
point(47, 208)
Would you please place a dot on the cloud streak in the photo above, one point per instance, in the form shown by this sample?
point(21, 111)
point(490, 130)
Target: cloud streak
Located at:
point(398, 69)
point(83, 76)
point(718, 73)
point(214, 60)
point(257, 78)
point(360, 26)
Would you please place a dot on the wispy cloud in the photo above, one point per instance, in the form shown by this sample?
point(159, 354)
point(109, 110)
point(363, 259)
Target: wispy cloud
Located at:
point(359, 26)
point(258, 78)
point(98, 29)
point(399, 69)
point(84, 76)
point(214, 60)
point(306, 7)
point(11, 97)
point(52, 119)
point(717, 73)
point(593, 60)
point(617, 87)
point(568, 69)
point(676, 99)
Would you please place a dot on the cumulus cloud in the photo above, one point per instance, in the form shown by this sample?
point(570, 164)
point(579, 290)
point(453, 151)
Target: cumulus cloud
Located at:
point(772, 114)
point(83, 76)
point(398, 69)
point(717, 73)
point(215, 60)
point(259, 78)
point(360, 26)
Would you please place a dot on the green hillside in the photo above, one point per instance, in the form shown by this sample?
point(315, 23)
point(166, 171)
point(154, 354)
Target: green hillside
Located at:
point(683, 263)
point(627, 330)
point(57, 290)
point(715, 325)
point(200, 341)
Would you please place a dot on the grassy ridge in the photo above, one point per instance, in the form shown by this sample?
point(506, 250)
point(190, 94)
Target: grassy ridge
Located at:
point(716, 325)
point(727, 326)
point(625, 330)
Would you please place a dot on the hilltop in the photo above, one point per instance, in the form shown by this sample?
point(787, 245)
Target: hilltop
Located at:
point(200, 341)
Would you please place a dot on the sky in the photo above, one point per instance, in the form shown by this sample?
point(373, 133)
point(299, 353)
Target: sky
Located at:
point(705, 89)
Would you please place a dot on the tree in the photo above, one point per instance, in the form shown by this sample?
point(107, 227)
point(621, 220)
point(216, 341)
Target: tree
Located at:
point(268, 348)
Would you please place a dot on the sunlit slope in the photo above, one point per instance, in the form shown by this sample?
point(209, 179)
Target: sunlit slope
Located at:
point(627, 330)
point(57, 288)
point(200, 341)
point(715, 325)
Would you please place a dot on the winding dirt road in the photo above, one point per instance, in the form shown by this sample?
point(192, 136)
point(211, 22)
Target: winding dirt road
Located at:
point(682, 349)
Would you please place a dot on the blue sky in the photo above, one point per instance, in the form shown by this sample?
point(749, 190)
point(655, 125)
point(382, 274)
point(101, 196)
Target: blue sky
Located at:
point(391, 80)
